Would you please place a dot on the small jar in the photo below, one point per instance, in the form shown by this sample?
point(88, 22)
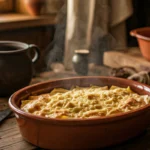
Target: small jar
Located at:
point(80, 61)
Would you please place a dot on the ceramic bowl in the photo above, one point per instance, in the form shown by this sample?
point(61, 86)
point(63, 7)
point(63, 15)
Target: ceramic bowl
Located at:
point(82, 134)
point(143, 37)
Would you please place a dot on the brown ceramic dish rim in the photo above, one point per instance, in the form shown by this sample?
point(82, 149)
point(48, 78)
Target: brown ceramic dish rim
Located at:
point(23, 46)
point(104, 119)
point(136, 33)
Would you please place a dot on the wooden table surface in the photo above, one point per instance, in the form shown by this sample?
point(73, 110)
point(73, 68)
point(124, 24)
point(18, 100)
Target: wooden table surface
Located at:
point(11, 139)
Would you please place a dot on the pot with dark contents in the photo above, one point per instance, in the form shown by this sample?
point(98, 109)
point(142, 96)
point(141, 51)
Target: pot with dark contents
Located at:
point(15, 65)
point(80, 61)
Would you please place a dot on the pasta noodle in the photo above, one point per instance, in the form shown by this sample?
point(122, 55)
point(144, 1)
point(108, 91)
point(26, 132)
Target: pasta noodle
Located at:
point(84, 102)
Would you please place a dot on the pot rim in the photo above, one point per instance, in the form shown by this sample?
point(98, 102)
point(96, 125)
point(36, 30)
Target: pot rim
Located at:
point(22, 46)
point(87, 121)
point(136, 33)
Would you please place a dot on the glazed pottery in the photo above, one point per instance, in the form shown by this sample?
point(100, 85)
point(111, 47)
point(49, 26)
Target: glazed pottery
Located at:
point(34, 6)
point(80, 61)
point(143, 37)
point(91, 133)
point(15, 65)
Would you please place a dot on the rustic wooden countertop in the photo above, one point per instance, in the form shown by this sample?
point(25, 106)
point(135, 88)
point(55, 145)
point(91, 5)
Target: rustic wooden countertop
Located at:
point(11, 139)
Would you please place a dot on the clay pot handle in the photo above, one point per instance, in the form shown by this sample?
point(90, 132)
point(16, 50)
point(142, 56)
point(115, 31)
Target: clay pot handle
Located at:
point(36, 52)
point(133, 33)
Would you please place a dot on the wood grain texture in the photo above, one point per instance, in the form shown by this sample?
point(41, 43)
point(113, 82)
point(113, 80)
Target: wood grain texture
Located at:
point(3, 103)
point(131, 57)
point(6, 6)
point(10, 137)
point(15, 21)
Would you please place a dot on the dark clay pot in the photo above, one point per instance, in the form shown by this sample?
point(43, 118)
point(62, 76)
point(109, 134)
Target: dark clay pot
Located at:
point(15, 66)
point(80, 62)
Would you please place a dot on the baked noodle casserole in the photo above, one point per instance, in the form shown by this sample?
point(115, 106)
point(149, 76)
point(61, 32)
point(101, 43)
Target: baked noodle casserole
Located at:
point(84, 102)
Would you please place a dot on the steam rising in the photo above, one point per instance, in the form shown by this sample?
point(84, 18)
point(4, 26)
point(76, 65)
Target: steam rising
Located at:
point(100, 42)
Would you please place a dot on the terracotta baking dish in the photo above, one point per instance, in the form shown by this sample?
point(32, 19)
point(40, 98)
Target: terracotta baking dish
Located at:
point(143, 37)
point(80, 133)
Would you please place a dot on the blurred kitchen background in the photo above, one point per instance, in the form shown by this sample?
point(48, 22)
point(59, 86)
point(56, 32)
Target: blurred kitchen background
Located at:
point(58, 27)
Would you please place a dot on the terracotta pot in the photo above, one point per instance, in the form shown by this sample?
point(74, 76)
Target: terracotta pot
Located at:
point(52, 133)
point(34, 6)
point(143, 37)
point(15, 65)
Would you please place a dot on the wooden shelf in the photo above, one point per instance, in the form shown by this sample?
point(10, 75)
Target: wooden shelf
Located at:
point(15, 21)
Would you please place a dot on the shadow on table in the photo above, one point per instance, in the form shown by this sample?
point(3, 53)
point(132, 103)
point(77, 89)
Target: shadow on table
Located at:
point(140, 142)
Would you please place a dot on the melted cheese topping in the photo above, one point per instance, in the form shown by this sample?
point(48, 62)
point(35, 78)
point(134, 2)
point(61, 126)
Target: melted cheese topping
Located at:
point(84, 102)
